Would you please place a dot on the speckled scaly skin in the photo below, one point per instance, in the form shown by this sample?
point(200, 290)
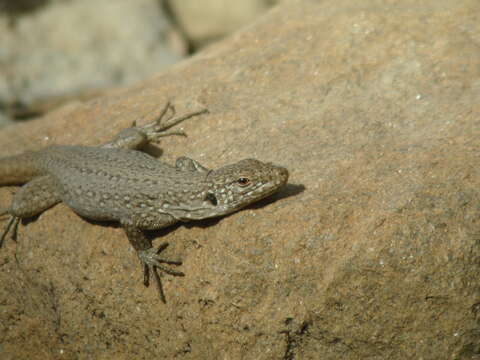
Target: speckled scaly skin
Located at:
point(117, 182)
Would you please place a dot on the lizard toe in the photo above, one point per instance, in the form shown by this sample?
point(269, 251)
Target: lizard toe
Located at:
point(12, 224)
point(152, 262)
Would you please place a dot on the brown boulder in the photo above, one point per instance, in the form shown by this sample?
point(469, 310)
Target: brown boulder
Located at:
point(372, 252)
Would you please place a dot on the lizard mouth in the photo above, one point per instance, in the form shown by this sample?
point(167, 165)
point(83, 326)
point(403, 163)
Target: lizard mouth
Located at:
point(255, 194)
point(216, 205)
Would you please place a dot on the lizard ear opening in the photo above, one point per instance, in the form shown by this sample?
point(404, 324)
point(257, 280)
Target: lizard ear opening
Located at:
point(212, 199)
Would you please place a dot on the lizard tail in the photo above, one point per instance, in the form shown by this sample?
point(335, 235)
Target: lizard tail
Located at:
point(18, 169)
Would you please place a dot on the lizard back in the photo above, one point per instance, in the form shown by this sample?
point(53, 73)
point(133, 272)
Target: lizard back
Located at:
point(111, 184)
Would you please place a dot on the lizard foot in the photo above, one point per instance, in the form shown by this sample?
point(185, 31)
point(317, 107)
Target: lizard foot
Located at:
point(12, 224)
point(157, 129)
point(152, 262)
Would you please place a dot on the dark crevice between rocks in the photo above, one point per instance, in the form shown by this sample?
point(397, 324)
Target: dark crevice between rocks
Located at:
point(21, 7)
point(15, 8)
point(294, 338)
point(172, 17)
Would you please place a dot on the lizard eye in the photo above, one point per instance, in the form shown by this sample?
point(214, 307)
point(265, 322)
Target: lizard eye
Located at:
point(243, 181)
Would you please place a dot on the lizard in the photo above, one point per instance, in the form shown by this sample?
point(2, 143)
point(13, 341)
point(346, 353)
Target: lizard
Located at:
point(118, 182)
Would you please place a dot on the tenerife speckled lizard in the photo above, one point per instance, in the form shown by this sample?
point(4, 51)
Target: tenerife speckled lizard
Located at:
point(117, 182)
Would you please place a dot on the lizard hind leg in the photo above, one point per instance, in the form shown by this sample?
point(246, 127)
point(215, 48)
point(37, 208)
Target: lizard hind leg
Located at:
point(32, 199)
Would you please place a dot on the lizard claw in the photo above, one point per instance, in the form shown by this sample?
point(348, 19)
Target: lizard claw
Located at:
point(157, 128)
point(12, 224)
point(152, 262)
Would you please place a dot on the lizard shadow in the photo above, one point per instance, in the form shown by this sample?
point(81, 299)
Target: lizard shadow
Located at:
point(287, 191)
point(153, 150)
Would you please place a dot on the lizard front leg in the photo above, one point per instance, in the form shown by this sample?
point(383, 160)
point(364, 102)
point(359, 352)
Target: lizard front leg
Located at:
point(186, 164)
point(150, 257)
point(137, 137)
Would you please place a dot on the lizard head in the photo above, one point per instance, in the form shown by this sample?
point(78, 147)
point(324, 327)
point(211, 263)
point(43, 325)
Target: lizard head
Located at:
point(235, 186)
point(229, 188)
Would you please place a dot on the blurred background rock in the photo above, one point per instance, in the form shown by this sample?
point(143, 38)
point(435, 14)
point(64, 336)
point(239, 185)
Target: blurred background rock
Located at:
point(54, 51)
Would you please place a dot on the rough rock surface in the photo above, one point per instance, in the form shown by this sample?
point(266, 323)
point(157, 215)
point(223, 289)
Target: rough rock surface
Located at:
point(372, 252)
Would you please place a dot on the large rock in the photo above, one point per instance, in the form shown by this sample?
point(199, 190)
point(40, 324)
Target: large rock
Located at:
point(372, 252)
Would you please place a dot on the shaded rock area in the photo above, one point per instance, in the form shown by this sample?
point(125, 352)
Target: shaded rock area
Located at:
point(206, 21)
point(371, 252)
point(57, 49)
